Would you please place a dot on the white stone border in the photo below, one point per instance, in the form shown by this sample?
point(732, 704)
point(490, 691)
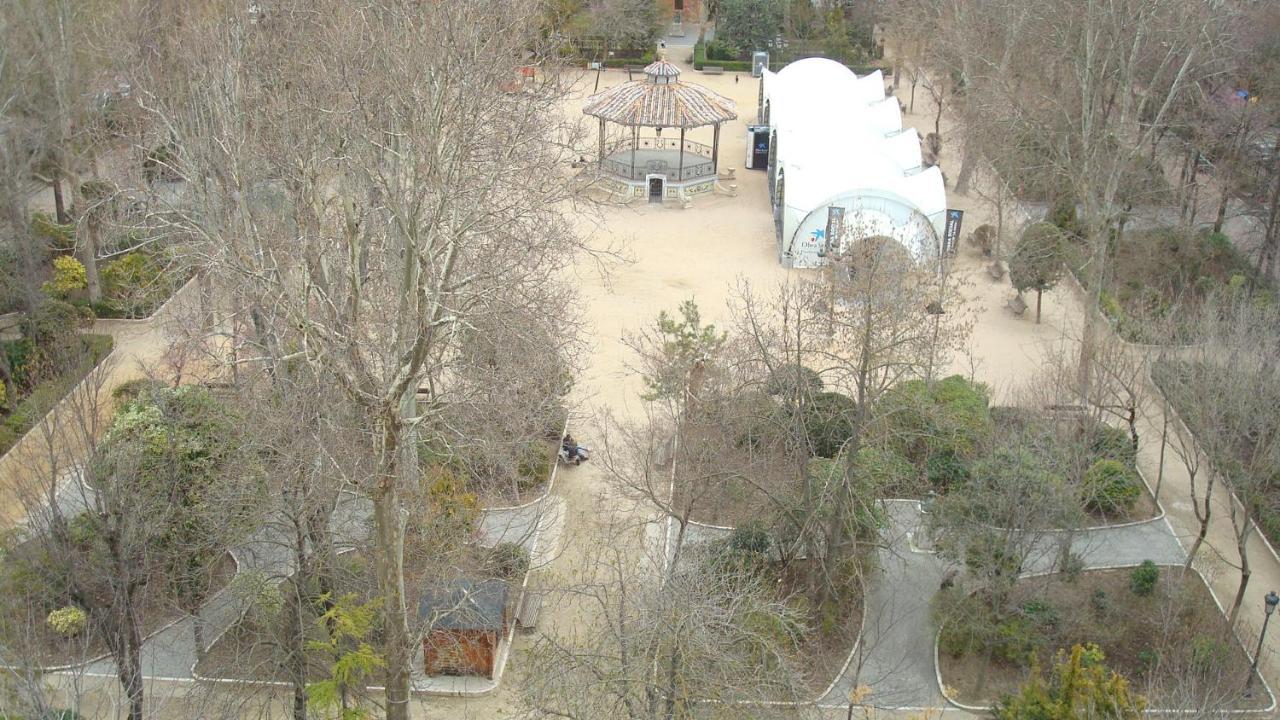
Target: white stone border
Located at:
point(942, 688)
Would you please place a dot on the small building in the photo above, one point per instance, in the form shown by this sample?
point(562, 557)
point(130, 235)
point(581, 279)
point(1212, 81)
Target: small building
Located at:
point(465, 622)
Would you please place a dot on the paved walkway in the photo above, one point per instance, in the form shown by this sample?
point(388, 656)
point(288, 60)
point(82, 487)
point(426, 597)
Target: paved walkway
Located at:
point(170, 653)
point(895, 654)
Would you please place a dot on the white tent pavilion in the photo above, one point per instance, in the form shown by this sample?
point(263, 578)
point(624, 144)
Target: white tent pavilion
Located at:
point(841, 166)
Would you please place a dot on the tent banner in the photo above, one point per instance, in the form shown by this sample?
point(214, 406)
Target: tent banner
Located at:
point(951, 233)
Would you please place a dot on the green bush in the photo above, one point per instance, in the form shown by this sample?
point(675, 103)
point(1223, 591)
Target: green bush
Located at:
point(67, 621)
point(1017, 639)
point(750, 537)
point(828, 421)
point(1208, 654)
point(134, 286)
point(792, 379)
point(1062, 215)
point(48, 393)
point(1143, 579)
point(61, 238)
point(69, 277)
point(1110, 487)
point(1112, 443)
point(1100, 603)
point(700, 59)
point(950, 417)
point(534, 467)
point(507, 560)
point(946, 470)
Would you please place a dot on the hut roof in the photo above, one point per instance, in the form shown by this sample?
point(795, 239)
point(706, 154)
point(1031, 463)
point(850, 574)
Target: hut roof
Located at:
point(661, 100)
point(465, 605)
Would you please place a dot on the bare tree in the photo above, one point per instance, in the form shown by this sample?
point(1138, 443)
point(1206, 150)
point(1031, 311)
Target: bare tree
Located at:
point(711, 635)
point(364, 239)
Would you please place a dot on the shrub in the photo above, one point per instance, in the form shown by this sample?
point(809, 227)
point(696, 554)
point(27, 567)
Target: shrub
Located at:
point(60, 237)
point(828, 421)
point(69, 276)
point(1100, 603)
point(983, 238)
point(534, 467)
point(160, 164)
point(67, 621)
point(1062, 215)
point(1017, 639)
point(750, 537)
point(1110, 487)
point(1073, 566)
point(1143, 579)
point(131, 390)
point(945, 470)
point(134, 285)
point(450, 499)
point(1112, 443)
point(792, 379)
point(1147, 660)
point(1208, 654)
point(507, 560)
point(1041, 613)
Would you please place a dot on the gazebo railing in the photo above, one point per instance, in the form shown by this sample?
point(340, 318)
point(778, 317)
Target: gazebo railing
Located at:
point(650, 143)
point(697, 162)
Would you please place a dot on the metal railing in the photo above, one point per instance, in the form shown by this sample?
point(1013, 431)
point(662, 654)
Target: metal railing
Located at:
point(697, 161)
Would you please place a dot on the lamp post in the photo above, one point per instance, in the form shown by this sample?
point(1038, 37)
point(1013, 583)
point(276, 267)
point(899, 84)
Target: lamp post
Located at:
point(1272, 601)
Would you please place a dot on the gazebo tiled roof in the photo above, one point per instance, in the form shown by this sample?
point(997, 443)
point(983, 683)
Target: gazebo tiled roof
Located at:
point(661, 100)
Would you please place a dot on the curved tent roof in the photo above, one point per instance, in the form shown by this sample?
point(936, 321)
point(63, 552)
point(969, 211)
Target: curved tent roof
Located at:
point(839, 136)
point(661, 100)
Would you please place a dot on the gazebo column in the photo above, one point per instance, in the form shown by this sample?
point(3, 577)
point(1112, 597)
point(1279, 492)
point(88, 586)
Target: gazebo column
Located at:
point(635, 140)
point(680, 172)
point(600, 162)
point(715, 150)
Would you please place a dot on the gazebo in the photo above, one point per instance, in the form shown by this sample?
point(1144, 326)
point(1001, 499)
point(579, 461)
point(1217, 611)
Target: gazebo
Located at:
point(667, 167)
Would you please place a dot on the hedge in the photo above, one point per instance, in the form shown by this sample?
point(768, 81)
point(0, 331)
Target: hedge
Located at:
point(31, 409)
point(700, 60)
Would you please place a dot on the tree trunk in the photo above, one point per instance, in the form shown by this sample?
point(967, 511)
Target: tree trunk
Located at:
point(966, 170)
point(389, 531)
point(295, 651)
point(59, 204)
point(1273, 216)
point(1245, 573)
point(131, 670)
point(197, 634)
point(1039, 298)
point(1204, 522)
point(89, 258)
point(1221, 217)
point(673, 665)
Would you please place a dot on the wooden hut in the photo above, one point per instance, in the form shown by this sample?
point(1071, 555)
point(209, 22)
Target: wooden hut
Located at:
point(465, 621)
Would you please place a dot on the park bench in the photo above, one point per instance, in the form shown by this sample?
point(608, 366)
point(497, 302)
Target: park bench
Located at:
point(1016, 304)
point(712, 70)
